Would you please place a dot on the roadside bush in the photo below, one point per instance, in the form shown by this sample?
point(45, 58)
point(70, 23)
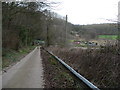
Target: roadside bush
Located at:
point(100, 66)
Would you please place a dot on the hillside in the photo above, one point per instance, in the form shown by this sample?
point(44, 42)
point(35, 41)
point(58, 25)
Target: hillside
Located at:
point(94, 30)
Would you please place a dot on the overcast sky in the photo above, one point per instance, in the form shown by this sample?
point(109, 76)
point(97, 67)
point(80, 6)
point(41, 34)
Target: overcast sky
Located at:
point(88, 11)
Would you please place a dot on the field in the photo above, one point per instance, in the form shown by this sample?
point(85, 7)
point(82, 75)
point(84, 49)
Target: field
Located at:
point(112, 37)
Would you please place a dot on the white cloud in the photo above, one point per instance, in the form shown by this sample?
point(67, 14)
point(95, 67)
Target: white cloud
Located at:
point(89, 11)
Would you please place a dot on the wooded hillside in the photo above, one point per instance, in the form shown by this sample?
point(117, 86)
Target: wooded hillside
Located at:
point(94, 30)
point(25, 22)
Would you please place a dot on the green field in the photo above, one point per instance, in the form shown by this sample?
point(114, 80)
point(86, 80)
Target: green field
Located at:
point(112, 37)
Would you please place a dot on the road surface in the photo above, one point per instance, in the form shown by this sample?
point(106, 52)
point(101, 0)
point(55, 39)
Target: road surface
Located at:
point(28, 73)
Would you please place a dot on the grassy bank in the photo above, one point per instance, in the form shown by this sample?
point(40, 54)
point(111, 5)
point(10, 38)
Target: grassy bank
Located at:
point(10, 57)
point(56, 76)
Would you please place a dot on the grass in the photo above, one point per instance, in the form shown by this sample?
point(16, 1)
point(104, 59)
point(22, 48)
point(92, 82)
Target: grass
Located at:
point(53, 62)
point(80, 45)
point(55, 75)
point(10, 56)
point(71, 41)
point(112, 37)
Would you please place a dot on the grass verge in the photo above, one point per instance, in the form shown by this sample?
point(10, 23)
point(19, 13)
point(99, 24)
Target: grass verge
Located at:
point(56, 76)
point(10, 57)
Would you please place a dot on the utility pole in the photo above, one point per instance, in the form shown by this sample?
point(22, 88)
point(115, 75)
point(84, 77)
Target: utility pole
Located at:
point(66, 30)
point(47, 34)
point(119, 23)
point(48, 19)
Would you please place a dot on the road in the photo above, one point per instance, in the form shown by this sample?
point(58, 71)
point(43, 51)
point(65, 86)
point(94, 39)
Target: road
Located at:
point(28, 73)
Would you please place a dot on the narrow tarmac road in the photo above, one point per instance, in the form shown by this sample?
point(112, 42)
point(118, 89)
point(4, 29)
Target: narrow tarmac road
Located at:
point(28, 73)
